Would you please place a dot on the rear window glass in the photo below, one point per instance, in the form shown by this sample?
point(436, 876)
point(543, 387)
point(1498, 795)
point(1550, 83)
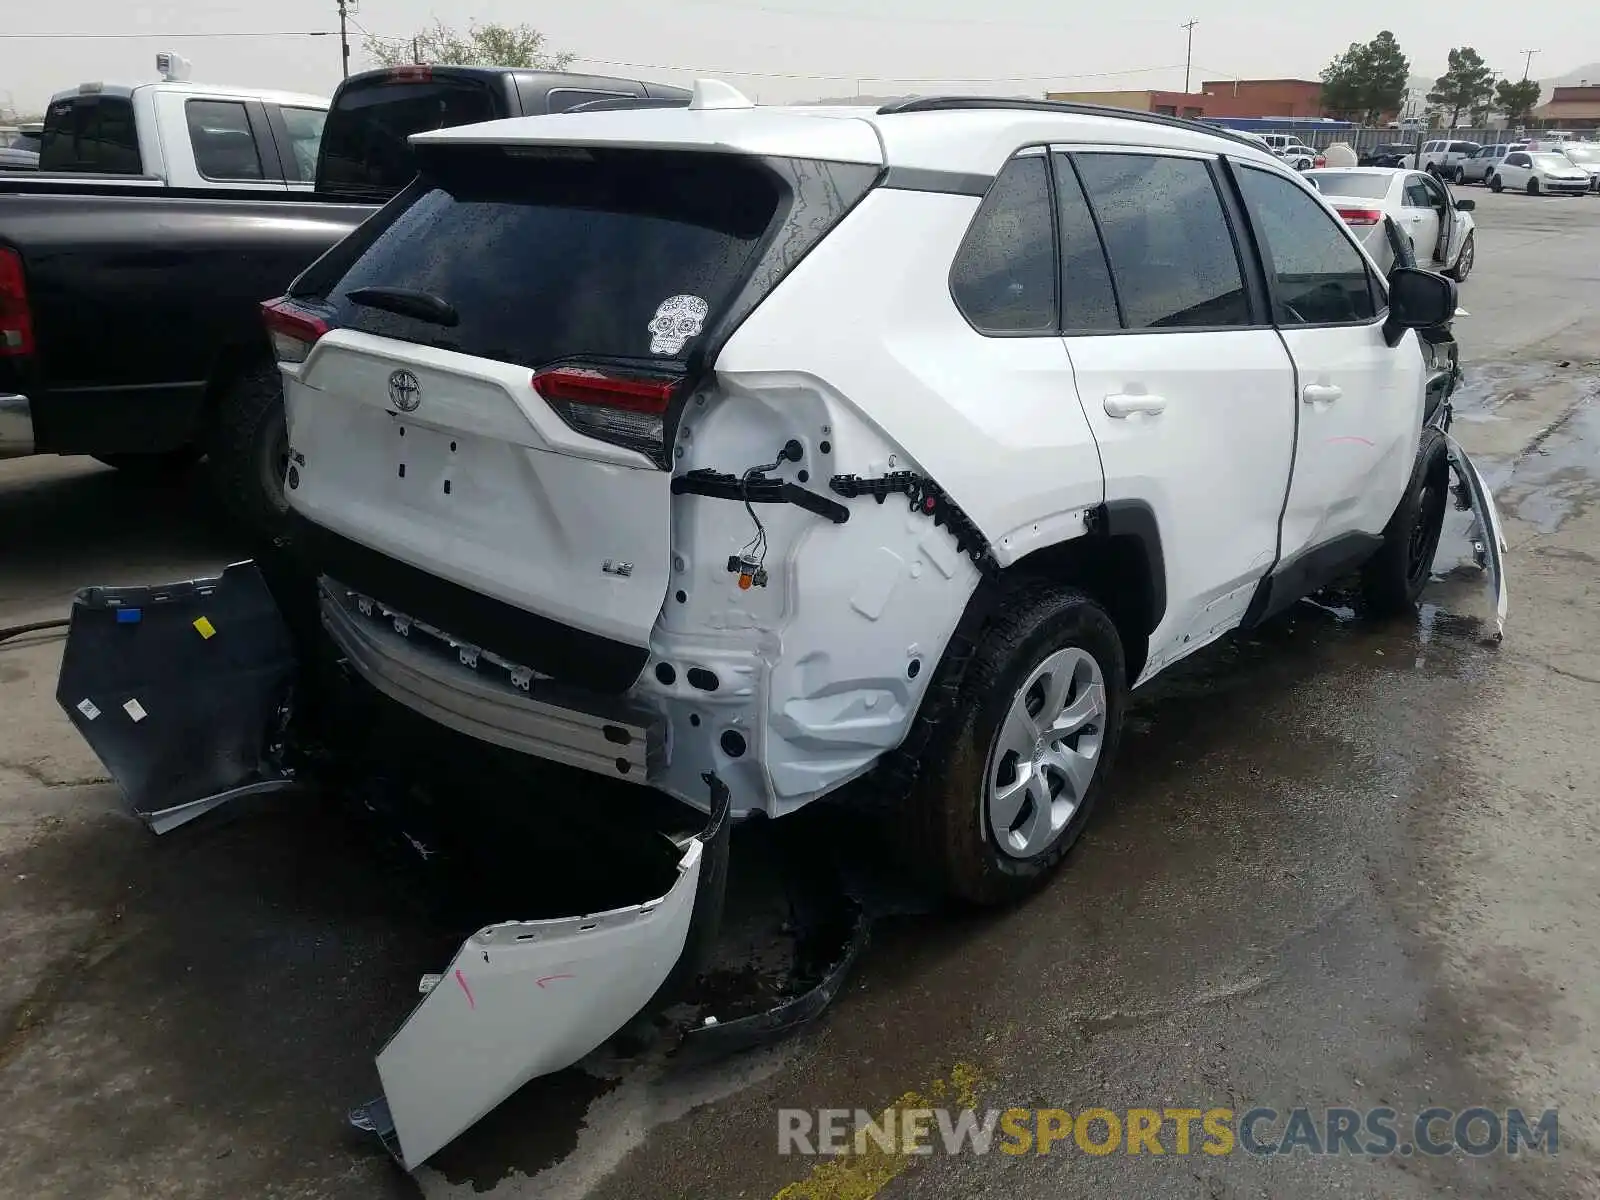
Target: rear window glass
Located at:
point(1350, 183)
point(363, 146)
point(91, 134)
point(548, 255)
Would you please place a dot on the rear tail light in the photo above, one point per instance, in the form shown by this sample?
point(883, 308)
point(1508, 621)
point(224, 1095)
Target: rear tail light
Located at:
point(1361, 216)
point(1320, 160)
point(16, 317)
point(293, 330)
point(624, 410)
point(411, 73)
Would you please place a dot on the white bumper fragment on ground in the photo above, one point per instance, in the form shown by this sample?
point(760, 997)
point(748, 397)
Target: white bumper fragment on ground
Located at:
point(520, 1000)
point(1489, 538)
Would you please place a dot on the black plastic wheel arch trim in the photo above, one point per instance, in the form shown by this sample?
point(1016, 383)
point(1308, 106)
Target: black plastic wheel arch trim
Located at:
point(1137, 520)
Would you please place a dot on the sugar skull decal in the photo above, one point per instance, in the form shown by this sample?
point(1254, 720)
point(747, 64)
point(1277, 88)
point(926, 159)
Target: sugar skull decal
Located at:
point(677, 319)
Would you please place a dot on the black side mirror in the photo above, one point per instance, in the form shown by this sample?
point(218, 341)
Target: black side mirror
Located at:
point(1417, 300)
point(1466, 204)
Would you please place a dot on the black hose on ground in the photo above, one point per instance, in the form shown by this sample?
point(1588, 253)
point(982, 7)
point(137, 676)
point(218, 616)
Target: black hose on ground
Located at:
point(14, 631)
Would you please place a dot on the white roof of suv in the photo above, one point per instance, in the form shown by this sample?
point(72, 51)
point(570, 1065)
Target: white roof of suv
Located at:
point(963, 135)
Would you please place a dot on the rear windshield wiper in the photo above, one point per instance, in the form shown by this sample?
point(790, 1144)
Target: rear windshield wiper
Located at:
point(408, 302)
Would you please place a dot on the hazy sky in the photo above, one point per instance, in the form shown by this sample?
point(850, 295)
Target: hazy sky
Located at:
point(802, 49)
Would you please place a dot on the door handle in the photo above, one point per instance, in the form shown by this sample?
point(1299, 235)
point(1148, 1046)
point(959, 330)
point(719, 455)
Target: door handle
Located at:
point(1122, 405)
point(1321, 393)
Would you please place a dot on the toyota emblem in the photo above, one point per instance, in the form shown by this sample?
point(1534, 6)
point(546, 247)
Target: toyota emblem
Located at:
point(405, 391)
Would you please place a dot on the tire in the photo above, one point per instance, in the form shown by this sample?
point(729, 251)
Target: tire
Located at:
point(1046, 636)
point(1533, 187)
point(164, 465)
point(1496, 184)
point(249, 451)
point(1465, 260)
point(1393, 579)
point(1461, 177)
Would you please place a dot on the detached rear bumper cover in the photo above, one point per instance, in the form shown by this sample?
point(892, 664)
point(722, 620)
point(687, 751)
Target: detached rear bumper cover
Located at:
point(524, 999)
point(184, 689)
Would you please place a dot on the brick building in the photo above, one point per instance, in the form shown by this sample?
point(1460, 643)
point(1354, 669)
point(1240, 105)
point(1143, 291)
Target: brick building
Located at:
point(1570, 108)
point(1217, 98)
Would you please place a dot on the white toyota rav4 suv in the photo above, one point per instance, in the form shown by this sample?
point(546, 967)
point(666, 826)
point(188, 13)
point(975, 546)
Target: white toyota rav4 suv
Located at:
point(768, 450)
point(810, 435)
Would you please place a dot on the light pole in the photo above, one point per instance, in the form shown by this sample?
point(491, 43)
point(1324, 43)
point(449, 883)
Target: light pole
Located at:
point(1188, 58)
point(1527, 63)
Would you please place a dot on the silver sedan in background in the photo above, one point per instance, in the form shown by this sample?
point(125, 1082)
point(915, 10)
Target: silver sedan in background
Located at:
point(1437, 224)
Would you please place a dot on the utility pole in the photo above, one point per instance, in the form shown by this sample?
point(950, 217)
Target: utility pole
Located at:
point(1188, 58)
point(344, 36)
point(1528, 64)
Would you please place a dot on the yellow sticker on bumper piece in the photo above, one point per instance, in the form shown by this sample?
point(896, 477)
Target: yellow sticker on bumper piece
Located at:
point(206, 628)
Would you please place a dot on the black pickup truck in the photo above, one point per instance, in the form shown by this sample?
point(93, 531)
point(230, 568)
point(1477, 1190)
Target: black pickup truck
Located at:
point(130, 324)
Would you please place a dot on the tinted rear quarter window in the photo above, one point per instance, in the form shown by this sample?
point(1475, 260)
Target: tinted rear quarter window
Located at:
point(1004, 275)
point(364, 149)
point(224, 146)
point(91, 134)
point(553, 255)
point(1171, 251)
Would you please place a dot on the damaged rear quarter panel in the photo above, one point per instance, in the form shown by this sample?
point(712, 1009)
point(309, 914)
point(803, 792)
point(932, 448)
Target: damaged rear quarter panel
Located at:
point(822, 671)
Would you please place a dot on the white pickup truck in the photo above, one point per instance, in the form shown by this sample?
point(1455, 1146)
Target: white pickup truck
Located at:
point(183, 135)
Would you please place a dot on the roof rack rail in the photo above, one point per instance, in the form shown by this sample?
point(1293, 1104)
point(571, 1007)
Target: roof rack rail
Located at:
point(957, 103)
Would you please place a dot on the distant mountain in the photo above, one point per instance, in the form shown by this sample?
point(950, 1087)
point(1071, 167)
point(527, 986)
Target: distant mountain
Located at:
point(1589, 72)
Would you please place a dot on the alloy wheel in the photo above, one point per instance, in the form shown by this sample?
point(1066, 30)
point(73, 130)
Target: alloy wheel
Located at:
point(1045, 753)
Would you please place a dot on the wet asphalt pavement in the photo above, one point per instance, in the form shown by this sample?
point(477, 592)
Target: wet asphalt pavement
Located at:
point(1343, 865)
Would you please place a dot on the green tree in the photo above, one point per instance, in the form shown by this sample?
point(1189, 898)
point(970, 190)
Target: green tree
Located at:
point(488, 45)
point(1366, 81)
point(1466, 85)
point(1516, 99)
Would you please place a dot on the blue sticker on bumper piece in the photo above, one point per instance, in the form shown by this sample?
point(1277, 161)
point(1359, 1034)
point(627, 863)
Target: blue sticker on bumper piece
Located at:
point(129, 616)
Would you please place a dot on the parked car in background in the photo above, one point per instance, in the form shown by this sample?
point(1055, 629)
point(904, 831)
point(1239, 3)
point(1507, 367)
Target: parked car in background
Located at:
point(1301, 156)
point(1438, 226)
point(1536, 171)
point(14, 159)
point(178, 134)
point(1390, 154)
point(1586, 155)
point(1482, 163)
point(133, 306)
point(1441, 158)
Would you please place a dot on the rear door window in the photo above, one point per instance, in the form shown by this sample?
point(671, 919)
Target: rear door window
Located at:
point(224, 145)
point(364, 151)
point(91, 134)
point(1004, 276)
point(542, 256)
point(1172, 253)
